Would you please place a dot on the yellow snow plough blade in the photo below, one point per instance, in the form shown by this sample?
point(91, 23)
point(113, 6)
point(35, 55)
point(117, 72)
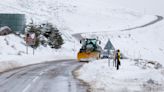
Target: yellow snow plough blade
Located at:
point(84, 56)
point(90, 50)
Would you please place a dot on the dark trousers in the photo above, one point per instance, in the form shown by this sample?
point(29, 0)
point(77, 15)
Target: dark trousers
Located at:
point(117, 63)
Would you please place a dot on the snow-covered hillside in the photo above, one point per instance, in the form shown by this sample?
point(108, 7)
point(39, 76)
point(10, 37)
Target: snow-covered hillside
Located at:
point(76, 15)
point(138, 35)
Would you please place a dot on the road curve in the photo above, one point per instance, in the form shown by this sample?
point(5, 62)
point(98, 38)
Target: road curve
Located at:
point(158, 19)
point(45, 77)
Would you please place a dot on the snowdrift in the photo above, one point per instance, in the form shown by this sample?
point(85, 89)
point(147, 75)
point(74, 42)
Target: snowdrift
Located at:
point(131, 77)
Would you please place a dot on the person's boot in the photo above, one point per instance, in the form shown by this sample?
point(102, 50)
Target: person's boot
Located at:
point(117, 67)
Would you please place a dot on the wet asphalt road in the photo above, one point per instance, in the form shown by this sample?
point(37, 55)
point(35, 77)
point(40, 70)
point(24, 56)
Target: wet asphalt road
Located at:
point(45, 77)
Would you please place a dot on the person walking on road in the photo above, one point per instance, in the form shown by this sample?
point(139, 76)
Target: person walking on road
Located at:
point(117, 59)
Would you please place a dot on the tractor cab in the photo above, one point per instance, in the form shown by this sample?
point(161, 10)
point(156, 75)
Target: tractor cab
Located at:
point(89, 50)
point(89, 45)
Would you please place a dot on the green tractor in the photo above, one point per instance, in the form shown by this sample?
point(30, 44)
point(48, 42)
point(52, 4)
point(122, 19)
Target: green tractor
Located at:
point(90, 50)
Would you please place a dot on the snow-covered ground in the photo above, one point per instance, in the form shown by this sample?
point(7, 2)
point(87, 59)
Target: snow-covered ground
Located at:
point(133, 76)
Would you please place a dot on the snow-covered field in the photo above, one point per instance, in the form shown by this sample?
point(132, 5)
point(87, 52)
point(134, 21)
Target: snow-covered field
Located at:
point(96, 18)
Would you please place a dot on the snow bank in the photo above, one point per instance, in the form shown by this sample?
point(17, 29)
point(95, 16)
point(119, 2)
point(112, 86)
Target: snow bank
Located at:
point(13, 53)
point(12, 61)
point(133, 76)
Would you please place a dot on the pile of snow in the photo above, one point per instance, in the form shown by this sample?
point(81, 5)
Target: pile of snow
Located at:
point(3, 28)
point(133, 76)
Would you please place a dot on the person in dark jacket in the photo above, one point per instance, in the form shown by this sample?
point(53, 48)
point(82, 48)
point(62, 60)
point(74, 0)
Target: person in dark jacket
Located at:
point(117, 59)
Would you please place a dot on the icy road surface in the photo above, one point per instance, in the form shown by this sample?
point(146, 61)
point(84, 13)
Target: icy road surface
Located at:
point(46, 77)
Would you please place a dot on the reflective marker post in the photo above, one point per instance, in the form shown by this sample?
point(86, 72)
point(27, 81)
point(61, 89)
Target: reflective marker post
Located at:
point(33, 50)
point(26, 49)
point(109, 62)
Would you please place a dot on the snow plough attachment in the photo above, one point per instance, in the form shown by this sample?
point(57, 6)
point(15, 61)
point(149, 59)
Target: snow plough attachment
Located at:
point(90, 50)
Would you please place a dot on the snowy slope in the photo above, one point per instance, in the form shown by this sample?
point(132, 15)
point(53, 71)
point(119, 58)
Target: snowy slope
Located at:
point(76, 15)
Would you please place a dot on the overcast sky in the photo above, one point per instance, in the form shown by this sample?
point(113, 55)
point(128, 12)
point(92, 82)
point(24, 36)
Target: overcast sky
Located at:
point(148, 6)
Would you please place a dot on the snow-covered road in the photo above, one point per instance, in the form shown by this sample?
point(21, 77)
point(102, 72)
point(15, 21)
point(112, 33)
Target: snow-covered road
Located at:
point(45, 77)
point(159, 18)
point(78, 36)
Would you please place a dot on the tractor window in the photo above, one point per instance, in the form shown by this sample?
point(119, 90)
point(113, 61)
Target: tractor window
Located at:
point(89, 44)
point(92, 41)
